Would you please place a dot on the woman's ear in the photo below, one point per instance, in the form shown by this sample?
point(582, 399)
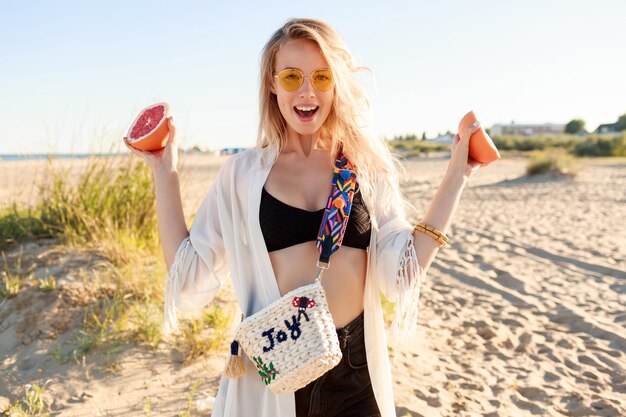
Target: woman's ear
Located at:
point(273, 87)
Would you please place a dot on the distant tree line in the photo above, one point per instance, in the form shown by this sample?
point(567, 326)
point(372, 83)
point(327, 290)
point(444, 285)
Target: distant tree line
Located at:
point(576, 126)
point(581, 145)
point(409, 137)
point(573, 127)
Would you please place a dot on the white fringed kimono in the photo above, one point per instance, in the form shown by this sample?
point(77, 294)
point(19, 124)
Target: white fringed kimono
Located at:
point(226, 238)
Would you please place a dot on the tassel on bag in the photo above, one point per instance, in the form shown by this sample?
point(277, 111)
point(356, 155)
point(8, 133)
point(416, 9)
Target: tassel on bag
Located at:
point(235, 367)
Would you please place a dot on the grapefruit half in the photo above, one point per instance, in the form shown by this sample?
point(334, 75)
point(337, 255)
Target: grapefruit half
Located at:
point(149, 131)
point(481, 147)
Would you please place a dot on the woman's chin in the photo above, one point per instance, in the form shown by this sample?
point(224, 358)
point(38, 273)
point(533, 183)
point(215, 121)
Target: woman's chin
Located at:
point(306, 129)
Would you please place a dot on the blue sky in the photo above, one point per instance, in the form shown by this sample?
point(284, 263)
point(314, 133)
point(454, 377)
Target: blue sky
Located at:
point(73, 74)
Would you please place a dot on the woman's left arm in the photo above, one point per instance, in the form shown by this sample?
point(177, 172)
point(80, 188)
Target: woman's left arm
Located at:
point(443, 206)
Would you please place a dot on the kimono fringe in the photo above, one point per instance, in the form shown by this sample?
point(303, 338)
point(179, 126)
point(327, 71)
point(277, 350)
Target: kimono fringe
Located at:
point(172, 289)
point(410, 278)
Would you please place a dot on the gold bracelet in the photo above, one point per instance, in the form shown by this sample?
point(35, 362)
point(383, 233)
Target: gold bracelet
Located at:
point(432, 232)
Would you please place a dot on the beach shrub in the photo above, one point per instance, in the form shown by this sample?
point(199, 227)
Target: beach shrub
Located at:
point(127, 310)
point(11, 285)
point(108, 206)
point(112, 207)
point(602, 146)
point(147, 320)
point(410, 148)
point(534, 143)
point(14, 277)
point(206, 333)
point(101, 325)
point(553, 161)
point(18, 223)
point(47, 284)
point(32, 403)
point(587, 145)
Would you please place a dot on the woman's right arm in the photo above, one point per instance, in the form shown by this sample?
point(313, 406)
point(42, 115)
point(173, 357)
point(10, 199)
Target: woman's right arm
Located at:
point(194, 271)
point(172, 227)
point(163, 164)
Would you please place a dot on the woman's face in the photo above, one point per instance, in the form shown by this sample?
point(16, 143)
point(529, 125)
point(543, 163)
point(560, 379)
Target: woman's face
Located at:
point(306, 56)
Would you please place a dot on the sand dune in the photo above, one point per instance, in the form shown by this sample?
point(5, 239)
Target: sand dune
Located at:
point(523, 315)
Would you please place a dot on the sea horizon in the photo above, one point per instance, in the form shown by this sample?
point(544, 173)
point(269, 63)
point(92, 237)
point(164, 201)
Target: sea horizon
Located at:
point(10, 157)
point(37, 156)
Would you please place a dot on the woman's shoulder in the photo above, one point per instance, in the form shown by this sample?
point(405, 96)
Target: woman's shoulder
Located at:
point(241, 161)
point(242, 166)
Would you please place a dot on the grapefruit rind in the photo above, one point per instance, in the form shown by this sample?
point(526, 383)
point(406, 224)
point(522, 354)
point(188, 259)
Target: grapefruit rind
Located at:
point(481, 147)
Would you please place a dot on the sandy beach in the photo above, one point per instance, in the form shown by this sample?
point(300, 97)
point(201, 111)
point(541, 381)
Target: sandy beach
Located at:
point(523, 315)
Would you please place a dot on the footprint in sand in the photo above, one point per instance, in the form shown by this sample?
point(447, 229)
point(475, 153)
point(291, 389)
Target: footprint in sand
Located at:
point(550, 377)
point(431, 400)
point(534, 394)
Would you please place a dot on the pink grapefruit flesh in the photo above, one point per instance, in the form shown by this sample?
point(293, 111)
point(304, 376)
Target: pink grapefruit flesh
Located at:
point(150, 131)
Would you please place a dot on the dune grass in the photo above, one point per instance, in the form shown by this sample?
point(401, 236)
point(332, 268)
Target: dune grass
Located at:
point(205, 334)
point(553, 161)
point(416, 148)
point(107, 207)
point(13, 279)
point(11, 285)
point(18, 223)
point(112, 208)
point(190, 397)
point(47, 284)
point(32, 403)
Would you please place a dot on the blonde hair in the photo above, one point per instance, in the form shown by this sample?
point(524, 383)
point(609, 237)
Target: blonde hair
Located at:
point(347, 125)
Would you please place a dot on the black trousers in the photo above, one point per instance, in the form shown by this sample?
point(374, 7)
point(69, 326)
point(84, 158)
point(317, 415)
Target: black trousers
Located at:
point(345, 390)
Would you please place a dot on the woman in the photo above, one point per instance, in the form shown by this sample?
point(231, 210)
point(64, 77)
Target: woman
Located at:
point(259, 222)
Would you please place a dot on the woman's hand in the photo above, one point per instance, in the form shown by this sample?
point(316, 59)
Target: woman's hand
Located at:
point(460, 163)
point(166, 159)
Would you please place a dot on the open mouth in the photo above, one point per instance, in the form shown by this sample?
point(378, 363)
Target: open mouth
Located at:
point(306, 113)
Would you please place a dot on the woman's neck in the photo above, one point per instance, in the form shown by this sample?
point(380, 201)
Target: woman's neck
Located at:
point(302, 145)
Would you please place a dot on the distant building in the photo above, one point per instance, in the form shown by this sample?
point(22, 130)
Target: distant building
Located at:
point(231, 151)
point(526, 129)
point(197, 150)
point(447, 138)
point(607, 129)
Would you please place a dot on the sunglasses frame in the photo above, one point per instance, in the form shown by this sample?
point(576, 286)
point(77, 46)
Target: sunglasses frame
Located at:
point(304, 76)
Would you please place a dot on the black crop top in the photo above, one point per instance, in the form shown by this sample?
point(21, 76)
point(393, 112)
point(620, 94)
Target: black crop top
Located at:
point(283, 225)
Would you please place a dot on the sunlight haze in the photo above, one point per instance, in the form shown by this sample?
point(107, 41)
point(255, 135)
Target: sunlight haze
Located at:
point(75, 74)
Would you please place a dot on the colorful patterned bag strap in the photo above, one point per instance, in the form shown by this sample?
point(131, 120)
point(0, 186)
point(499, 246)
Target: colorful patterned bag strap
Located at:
point(329, 238)
point(337, 212)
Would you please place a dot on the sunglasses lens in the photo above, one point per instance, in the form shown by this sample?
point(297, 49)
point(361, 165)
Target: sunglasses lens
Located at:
point(322, 80)
point(290, 79)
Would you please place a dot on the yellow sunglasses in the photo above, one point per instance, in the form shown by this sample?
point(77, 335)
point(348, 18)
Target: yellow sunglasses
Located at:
point(291, 79)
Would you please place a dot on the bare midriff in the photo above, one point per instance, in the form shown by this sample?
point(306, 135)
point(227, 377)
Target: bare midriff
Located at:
point(344, 281)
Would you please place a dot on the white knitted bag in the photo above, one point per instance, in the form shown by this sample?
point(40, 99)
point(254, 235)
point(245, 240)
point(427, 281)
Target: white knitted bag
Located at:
point(293, 341)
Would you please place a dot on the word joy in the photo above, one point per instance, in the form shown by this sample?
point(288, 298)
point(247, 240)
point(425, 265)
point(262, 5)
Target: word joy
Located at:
point(281, 335)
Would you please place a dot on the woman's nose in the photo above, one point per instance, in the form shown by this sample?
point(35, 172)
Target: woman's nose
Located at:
point(307, 90)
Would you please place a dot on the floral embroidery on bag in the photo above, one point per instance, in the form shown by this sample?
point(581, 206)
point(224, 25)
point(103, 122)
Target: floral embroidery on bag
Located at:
point(268, 373)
